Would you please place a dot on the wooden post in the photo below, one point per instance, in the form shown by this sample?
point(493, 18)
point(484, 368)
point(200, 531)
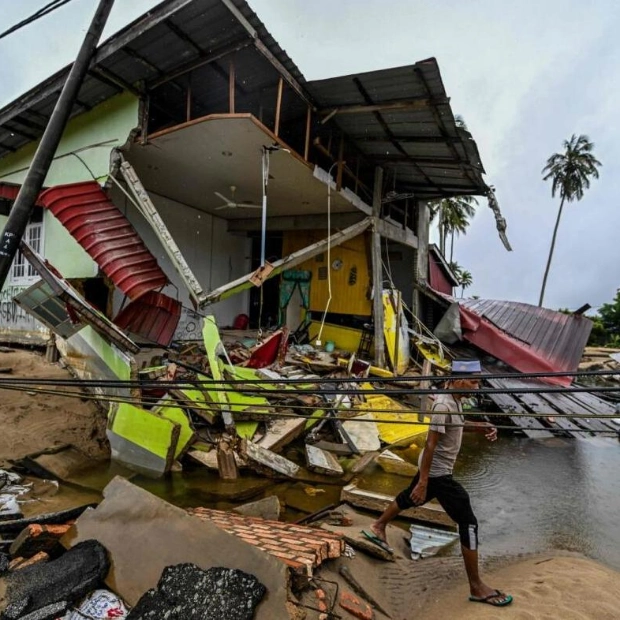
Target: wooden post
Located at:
point(427, 370)
point(188, 103)
point(377, 271)
point(278, 107)
point(421, 266)
point(231, 86)
point(340, 168)
point(308, 125)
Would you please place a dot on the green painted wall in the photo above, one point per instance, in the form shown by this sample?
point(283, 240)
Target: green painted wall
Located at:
point(109, 123)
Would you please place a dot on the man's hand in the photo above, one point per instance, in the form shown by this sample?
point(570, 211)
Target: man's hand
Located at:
point(418, 495)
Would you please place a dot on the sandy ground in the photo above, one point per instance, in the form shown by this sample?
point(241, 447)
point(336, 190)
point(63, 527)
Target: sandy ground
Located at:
point(32, 422)
point(565, 586)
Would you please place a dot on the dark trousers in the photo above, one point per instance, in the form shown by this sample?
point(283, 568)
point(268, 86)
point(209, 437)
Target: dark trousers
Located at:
point(454, 499)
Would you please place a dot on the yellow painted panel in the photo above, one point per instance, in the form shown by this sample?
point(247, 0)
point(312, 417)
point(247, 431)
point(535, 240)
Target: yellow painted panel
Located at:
point(389, 432)
point(345, 338)
point(349, 269)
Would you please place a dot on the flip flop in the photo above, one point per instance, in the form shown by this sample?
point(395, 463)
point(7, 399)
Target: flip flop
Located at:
point(487, 599)
point(380, 543)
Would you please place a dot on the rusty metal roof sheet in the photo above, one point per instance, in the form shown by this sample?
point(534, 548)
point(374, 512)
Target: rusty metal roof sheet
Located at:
point(107, 235)
point(409, 127)
point(559, 338)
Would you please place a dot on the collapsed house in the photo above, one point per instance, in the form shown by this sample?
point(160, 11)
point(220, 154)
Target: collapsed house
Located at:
point(202, 180)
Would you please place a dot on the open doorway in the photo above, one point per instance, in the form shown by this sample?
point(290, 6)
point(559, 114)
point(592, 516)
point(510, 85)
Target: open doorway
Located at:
point(264, 308)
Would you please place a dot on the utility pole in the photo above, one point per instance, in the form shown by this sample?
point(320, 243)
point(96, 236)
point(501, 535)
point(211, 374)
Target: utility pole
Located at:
point(29, 191)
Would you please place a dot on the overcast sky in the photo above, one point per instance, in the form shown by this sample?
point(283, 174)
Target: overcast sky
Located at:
point(524, 75)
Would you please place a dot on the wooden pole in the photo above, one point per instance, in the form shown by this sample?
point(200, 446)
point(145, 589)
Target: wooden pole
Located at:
point(188, 103)
point(340, 168)
point(231, 86)
point(278, 107)
point(377, 271)
point(421, 266)
point(308, 125)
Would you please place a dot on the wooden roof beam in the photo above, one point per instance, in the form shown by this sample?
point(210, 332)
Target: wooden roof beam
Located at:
point(399, 105)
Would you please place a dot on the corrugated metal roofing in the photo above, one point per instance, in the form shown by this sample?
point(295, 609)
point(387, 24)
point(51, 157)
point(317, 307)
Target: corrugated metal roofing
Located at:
point(107, 235)
point(160, 42)
point(556, 337)
point(420, 145)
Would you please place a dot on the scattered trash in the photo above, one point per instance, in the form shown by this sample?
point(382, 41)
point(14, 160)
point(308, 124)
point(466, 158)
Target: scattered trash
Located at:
point(100, 604)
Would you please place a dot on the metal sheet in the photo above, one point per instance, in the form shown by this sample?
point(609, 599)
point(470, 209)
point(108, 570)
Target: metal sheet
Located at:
point(555, 338)
point(154, 316)
point(107, 235)
point(428, 541)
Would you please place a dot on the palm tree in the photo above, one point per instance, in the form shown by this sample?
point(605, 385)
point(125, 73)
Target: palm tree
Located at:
point(466, 280)
point(454, 216)
point(570, 172)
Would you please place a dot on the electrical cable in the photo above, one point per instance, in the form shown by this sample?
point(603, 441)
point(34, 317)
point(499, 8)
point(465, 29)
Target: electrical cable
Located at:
point(42, 12)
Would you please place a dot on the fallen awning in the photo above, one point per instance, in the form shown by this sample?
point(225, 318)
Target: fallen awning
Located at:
point(107, 235)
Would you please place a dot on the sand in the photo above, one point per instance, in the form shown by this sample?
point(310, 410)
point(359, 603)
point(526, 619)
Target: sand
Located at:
point(32, 422)
point(566, 586)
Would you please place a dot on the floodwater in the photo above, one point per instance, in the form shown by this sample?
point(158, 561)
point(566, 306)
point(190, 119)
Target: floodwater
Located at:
point(529, 495)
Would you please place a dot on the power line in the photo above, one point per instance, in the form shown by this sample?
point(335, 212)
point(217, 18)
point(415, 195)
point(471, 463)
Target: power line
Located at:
point(42, 12)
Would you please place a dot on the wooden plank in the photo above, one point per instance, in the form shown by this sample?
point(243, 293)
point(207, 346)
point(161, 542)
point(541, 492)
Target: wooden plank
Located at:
point(537, 404)
point(340, 167)
point(276, 129)
point(231, 87)
point(532, 427)
point(378, 502)
point(377, 272)
point(587, 408)
point(401, 235)
point(288, 262)
point(308, 128)
point(419, 103)
point(565, 404)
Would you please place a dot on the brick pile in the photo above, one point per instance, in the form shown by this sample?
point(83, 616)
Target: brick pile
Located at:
point(302, 548)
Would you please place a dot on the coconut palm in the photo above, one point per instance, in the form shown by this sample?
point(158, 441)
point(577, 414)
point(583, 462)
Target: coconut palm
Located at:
point(453, 216)
point(466, 280)
point(570, 173)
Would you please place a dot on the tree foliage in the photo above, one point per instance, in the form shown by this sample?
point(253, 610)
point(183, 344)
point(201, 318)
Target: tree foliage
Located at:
point(570, 173)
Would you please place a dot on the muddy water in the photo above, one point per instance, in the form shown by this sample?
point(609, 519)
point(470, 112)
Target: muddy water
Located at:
point(529, 495)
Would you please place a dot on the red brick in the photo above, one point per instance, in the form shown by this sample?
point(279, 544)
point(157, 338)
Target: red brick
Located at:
point(353, 605)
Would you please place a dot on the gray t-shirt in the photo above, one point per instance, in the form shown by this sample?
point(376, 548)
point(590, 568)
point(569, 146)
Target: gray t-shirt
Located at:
point(446, 411)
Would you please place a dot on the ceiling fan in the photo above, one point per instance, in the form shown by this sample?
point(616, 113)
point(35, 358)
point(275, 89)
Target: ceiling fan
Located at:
point(231, 204)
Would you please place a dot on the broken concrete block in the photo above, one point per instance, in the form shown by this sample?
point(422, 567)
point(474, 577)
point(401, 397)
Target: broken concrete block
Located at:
point(268, 461)
point(322, 462)
point(354, 606)
point(144, 535)
point(209, 459)
point(226, 464)
point(281, 432)
point(431, 512)
point(394, 464)
point(35, 538)
point(363, 432)
point(267, 508)
point(35, 590)
point(186, 592)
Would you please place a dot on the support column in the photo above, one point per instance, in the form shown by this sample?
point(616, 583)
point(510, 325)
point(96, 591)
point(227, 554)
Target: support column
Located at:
point(421, 266)
point(377, 271)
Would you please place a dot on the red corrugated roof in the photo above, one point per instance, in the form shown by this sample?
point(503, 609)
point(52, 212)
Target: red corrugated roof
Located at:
point(154, 316)
point(107, 235)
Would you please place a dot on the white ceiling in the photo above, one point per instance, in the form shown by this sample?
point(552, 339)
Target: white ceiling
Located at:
point(192, 162)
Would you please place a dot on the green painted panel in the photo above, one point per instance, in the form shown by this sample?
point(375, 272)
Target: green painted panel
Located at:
point(143, 428)
point(115, 360)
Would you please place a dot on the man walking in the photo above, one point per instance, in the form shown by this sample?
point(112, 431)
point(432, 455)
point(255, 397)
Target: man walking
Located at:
point(434, 477)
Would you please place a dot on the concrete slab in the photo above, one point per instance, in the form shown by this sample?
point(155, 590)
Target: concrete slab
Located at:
point(322, 462)
point(143, 534)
